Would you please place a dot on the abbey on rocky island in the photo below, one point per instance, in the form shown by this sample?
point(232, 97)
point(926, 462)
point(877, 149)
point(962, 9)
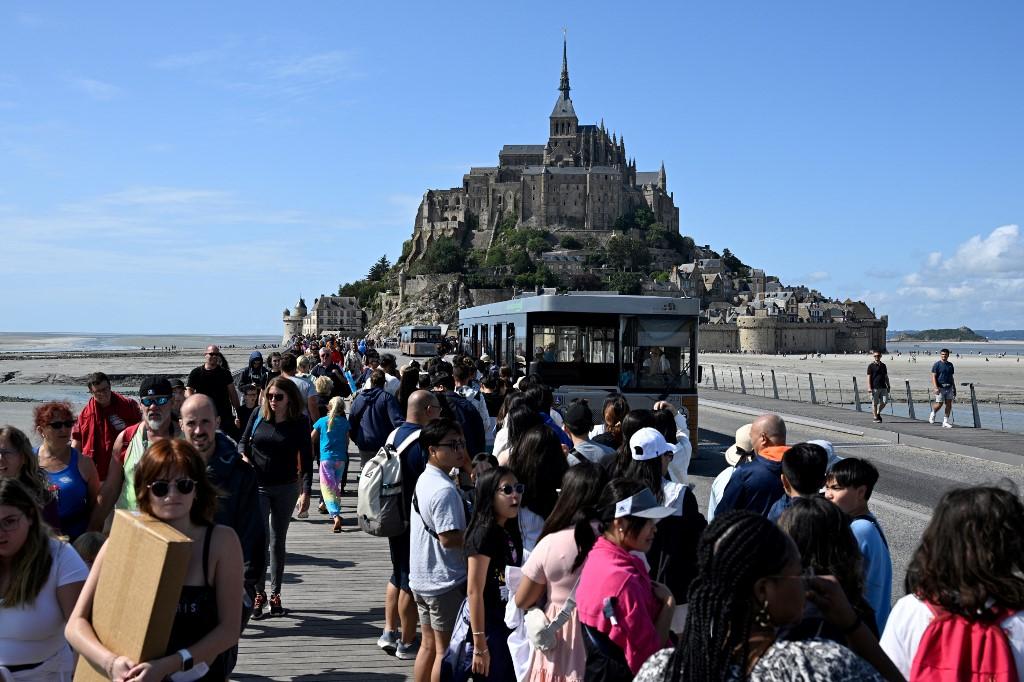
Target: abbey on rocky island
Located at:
point(578, 183)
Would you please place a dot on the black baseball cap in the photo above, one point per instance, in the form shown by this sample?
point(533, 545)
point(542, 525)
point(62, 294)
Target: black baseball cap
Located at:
point(155, 385)
point(177, 383)
point(579, 417)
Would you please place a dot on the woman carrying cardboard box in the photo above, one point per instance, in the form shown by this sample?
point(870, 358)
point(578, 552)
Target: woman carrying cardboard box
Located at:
point(172, 486)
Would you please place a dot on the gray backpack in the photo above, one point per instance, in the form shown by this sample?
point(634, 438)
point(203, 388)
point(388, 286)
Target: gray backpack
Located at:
point(379, 506)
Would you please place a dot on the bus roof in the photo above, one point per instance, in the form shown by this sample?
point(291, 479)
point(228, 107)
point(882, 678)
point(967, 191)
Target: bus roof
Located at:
point(420, 327)
point(586, 303)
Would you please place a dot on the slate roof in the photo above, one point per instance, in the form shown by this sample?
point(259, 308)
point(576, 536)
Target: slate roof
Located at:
point(522, 149)
point(563, 108)
point(646, 178)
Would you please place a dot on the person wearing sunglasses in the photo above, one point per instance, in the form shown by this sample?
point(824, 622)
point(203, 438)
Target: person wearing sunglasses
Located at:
point(41, 578)
point(173, 488)
point(212, 378)
point(118, 490)
point(73, 476)
point(276, 442)
point(492, 544)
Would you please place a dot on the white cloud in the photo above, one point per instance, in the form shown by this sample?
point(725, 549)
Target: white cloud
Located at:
point(96, 89)
point(980, 284)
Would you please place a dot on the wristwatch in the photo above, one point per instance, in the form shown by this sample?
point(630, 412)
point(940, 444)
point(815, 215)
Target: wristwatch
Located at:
point(186, 659)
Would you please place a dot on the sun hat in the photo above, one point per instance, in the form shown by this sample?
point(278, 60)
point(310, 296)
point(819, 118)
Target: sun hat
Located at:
point(485, 357)
point(644, 504)
point(742, 446)
point(648, 443)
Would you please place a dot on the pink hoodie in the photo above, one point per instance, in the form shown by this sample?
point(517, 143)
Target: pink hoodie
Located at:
point(611, 571)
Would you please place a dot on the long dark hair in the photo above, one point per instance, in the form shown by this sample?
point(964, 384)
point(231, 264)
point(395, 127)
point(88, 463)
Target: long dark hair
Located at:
point(483, 519)
point(539, 463)
point(603, 513)
point(972, 551)
point(736, 550)
point(647, 472)
point(407, 385)
point(521, 418)
point(822, 533)
point(631, 423)
point(30, 567)
point(581, 489)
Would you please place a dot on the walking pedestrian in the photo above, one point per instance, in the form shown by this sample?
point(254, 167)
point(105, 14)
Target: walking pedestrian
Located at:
point(276, 442)
point(73, 476)
point(878, 384)
point(102, 419)
point(330, 440)
point(374, 415)
point(945, 389)
point(212, 379)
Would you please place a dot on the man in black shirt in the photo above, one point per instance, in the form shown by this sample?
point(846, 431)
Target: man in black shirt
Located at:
point(326, 368)
point(878, 384)
point(213, 380)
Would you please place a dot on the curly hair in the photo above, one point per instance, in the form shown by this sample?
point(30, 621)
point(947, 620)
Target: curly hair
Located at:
point(47, 412)
point(971, 552)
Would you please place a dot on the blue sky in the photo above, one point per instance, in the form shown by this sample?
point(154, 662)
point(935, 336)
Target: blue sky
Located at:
point(194, 167)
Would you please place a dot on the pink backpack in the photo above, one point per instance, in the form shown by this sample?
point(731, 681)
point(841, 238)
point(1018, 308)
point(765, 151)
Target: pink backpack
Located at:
point(954, 649)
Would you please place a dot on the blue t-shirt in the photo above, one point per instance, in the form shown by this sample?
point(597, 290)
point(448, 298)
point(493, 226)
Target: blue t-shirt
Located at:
point(333, 443)
point(877, 568)
point(943, 372)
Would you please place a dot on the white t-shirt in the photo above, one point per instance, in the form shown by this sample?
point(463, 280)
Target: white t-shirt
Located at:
point(306, 389)
point(718, 489)
point(34, 633)
point(391, 384)
point(910, 618)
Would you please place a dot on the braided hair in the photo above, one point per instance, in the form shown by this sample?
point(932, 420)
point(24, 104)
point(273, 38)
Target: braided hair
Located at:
point(736, 550)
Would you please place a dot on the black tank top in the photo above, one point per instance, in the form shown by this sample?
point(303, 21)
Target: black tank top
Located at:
point(197, 614)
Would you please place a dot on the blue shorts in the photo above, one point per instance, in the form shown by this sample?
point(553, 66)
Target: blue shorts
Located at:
point(945, 394)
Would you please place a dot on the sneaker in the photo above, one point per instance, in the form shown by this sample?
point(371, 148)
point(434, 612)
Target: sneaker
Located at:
point(407, 652)
point(275, 605)
point(258, 605)
point(389, 641)
point(946, 424)
point(878, 420)
point(931, 417)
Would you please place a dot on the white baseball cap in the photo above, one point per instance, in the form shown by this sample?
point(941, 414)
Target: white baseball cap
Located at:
point(742, 446)
point(644, 504)
point(648, 443)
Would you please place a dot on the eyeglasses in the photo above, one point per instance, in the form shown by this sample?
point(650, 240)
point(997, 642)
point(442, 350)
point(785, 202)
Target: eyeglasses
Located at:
point(509, 488)
point(161, 488)
point(454, 444)
point(11, 523)
point(160, 401)
point(273, 397)
point(66, 424)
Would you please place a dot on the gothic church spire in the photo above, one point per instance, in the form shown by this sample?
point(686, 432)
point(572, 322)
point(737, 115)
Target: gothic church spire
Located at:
point(563, 85)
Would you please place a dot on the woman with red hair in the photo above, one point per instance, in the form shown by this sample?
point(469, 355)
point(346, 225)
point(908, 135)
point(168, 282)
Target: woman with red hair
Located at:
point(69, 473)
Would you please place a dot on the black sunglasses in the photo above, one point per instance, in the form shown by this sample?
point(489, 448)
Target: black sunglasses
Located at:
point(160, 400)
point(508, 488)
point(273, 397)
point(160, 487)
point(66, 424)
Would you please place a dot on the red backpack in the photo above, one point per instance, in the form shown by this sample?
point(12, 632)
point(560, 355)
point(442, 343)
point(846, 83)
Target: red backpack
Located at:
point(954, 649)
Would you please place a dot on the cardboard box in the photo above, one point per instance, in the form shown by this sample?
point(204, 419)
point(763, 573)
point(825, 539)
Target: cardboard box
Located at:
point(137, 595)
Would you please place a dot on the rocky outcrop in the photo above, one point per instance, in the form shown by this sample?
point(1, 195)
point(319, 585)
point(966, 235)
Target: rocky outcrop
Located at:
point(428, 299)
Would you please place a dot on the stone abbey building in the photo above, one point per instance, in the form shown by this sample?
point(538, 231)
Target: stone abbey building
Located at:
point(579, 182)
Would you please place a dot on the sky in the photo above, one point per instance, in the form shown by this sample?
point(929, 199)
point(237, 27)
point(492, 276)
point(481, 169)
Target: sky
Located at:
point(194, 167)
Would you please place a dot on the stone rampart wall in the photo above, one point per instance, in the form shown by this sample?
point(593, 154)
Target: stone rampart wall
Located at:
point(761, 335)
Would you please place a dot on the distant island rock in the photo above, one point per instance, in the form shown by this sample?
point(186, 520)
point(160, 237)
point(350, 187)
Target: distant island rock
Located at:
point(940, 335)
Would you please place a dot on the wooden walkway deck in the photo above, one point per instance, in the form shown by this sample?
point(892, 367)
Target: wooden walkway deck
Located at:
point(333, 597)
point(965, 440)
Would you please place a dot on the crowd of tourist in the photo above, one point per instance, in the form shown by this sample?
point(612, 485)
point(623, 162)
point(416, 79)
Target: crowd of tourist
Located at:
point(541, 543)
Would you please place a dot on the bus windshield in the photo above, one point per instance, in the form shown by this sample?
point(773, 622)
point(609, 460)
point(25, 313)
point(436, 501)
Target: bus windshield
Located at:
point(656, 354)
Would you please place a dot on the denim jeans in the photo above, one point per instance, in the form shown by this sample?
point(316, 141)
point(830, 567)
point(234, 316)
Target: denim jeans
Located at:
point(276, 505)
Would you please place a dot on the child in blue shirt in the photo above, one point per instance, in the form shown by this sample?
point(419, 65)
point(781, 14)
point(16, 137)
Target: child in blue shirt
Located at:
point(330, 435)
point(849, 485)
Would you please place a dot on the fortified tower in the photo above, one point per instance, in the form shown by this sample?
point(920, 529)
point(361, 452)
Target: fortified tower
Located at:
point(293, 320)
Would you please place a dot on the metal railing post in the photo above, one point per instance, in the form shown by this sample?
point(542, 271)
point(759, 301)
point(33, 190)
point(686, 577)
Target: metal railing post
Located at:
point(856, 395)
point(743, 384)
point(714, 379)
point(810, 383)
point(974, 407)
point(775, 386)
point(910, 402)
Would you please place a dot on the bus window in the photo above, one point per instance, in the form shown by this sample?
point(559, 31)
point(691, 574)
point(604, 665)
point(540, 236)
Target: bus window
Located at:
point(573, 354)
point(656, 354)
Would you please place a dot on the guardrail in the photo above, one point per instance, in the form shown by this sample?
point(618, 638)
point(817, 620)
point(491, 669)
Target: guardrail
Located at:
point(906, 400)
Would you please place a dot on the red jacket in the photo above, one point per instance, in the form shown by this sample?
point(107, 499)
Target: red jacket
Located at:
point(97, 428)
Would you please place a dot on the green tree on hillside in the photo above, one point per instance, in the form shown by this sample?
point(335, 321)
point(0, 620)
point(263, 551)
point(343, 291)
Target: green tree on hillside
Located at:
point(628, 253)
point(379, 269)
